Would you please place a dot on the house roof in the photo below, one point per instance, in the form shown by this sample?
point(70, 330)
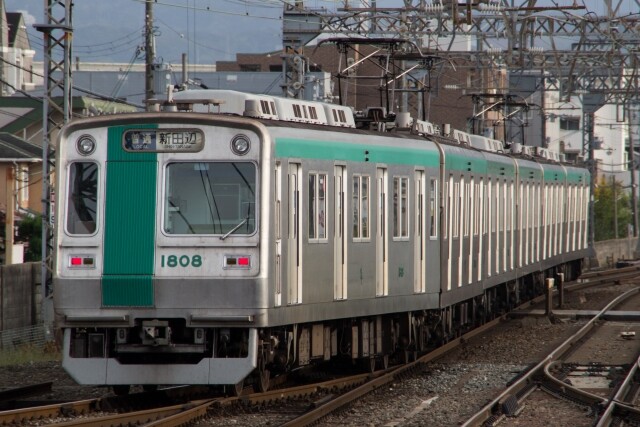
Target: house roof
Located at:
point(17, 149)
point(13, 21)
point(31, 109)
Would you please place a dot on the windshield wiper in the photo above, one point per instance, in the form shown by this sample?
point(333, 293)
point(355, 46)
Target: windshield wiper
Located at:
point(243, 222)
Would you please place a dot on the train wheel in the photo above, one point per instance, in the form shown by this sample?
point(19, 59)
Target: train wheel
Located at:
point(385, 362)
point(238, 388)
point(264, 380)
point(121, 390)
point(369, 364)
point(263, 374)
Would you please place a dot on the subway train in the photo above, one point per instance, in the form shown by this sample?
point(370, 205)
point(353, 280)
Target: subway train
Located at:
point(228, 237)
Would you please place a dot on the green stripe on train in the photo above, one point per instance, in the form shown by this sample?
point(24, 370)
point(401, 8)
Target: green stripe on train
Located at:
point(334, 150)
point(129, 230)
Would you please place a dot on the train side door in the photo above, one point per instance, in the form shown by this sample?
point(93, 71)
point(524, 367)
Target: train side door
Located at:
point(294, 247)
point(382, 267)
point(339, 241)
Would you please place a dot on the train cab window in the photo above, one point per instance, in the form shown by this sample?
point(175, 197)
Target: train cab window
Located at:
point(82, 198)
point(210, 198)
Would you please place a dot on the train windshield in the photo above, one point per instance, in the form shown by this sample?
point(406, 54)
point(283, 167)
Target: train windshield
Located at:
point(210, 198)
point(82, 198)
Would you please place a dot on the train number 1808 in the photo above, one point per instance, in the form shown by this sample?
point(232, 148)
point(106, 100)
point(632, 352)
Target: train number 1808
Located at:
point(172, 261)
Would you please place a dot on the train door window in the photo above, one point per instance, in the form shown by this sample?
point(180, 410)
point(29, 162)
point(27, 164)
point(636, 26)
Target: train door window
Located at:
point(461, 221)
point(471, 213)
point(294, 243)
point(545, 219)
point(525, 223)
point(585, 197)
point(450, 221)
point(570, 219)
point(317, 214)
point(489, 228)
point(433, 208)
point(420, 234)
point(466, 214)
point(446, 231)
point(382, 265)
point(82, 198)
point(556, 219)
point(512, 221)
point(360, 203)
point(501, 220)
point(481, 226)
point(278, 218)
point(456, 211)
point(340, 246)
point(505, 223)
point(401, 208)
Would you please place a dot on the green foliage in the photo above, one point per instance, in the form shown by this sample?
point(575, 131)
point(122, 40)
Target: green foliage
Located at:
point(611, 199)
point(30, 232)
point(29, 354)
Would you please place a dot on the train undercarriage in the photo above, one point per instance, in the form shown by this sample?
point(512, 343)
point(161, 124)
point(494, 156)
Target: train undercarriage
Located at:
point(371, 342)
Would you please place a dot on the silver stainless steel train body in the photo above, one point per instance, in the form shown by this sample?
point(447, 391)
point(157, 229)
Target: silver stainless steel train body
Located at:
point(194, 248)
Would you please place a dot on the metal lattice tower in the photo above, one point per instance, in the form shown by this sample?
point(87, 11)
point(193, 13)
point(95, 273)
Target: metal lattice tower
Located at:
point(518, 36)
point(57, 34)
point(506, 35)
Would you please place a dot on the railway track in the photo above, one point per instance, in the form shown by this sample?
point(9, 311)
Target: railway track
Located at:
point(319, 399)
point(553, 375)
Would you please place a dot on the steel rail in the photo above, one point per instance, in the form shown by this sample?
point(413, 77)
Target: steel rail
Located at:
point(138, 417)
point(619, 401)
point(529, 378)
point(49, 411)
point(26, 391)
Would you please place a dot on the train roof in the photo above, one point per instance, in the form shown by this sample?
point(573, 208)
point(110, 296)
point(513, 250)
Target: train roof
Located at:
point(274, 110)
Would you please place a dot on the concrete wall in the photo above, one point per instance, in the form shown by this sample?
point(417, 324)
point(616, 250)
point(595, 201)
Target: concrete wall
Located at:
point(608, 252)
point(20, 299)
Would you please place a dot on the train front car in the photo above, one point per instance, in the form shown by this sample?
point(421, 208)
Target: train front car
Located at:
point(158, 277)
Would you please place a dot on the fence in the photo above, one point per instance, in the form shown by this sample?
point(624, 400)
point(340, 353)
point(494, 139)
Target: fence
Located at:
point(28, 336)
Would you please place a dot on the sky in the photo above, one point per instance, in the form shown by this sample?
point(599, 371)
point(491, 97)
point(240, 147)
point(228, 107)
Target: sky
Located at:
point(206, 30)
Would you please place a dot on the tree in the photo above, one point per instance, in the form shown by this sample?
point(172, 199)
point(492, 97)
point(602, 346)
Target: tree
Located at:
point(30, 232)
point(611, 199)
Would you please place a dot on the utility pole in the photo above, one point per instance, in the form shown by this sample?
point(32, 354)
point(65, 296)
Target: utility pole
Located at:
point(150, 51)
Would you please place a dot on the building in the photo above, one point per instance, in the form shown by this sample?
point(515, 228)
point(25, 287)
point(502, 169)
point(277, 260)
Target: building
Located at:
point(16, 70)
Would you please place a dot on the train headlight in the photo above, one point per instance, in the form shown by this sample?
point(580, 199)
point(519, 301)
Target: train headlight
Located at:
point(86, 145)
point(240, 145)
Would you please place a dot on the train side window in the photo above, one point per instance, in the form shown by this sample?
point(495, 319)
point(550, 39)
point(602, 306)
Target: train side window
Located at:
point(360, 208)
point(317, 206)
point(82, 198)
